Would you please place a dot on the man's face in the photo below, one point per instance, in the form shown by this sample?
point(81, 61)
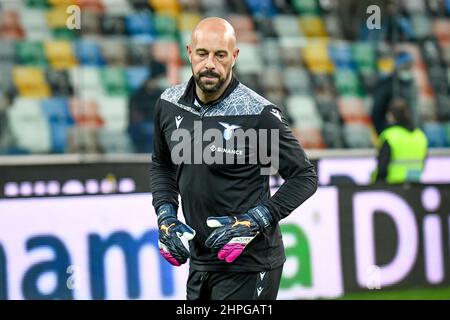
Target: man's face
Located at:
point(212, 56)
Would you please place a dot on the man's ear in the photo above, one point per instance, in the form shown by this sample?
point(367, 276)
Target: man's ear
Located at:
point(235, 56)
point(189, 51)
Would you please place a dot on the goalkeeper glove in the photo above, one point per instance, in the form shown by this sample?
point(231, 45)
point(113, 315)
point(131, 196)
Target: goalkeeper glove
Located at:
point(171, 230)
point(233, 234)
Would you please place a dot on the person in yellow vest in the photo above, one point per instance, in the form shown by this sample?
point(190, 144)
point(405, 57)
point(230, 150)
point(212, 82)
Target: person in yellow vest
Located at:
point(403, 147)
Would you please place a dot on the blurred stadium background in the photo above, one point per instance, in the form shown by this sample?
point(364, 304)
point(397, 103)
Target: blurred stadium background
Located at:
point(75, 141)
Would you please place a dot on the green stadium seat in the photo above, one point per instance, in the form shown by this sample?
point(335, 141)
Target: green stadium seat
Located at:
point(347, 82)
point(364, 57)
point(31, 53)
point(37, 3)
point(165, 26)
point(306, 6)
point(114, 81)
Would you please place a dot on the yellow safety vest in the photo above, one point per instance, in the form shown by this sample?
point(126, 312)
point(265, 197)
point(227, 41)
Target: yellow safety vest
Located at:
point(408, 153)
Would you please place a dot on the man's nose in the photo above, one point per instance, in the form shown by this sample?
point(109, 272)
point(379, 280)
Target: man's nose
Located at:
point(210, 61)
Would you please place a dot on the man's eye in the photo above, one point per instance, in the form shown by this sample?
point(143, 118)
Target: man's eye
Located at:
point(221, 56)
point(202, 54)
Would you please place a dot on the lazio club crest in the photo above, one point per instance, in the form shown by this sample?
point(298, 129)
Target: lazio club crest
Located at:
point(229, 129)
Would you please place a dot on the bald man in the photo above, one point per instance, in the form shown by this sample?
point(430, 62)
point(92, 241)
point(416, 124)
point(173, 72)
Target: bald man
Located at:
point(231, 220)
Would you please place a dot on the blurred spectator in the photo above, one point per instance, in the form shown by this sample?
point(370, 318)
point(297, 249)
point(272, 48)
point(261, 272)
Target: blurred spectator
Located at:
point(399, 84)
point(141, 106)
point(403, 147)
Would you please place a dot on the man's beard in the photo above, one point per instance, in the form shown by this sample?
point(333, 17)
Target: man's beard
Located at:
point(209, 88)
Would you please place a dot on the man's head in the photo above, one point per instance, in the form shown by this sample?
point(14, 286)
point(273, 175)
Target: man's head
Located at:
point(212, 53)
point(399, 113)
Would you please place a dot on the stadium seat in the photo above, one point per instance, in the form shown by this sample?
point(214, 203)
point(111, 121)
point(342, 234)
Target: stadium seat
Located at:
point(117, 7)
point(187, 21)
point(28, 126)
point(86, 82)
point(313, 26)
point(85, 113)
point(42, 4)
point(114, 111)
point(264, 27)
point(136, 76)
point(7, 52)
point(296, 80)
point(89, 53)
point(83, 139)
point(347, 82)
point(262, 8)
point(34, 22)
point(310, 7)
point(140, 4)
point(272, 79)
point(65, 3)
point(139, 26)
point(59, 82)
point(58, 116)
point(357, 136)
point(364, 56)
point(333, 26)
point(8, 5)
point(114, 81)
point(414, 6)
point(244, 26)
point(60, 54)
point(270, 52)
point(31, 53)
point(443, 103)
point(303, 111)
point(6, 82)
point(57, 17)
point(332, 135)
point(112, 26)
point(426, 106)
point(287, 26)
point(249, 59)
point(328, 110)
point(436, 135)
point(115, 52)
point(90, 23)
point(112, 141)
point(290, 51)
point(165, 26)
point(139, 53)
point(421, 25)
point(10, 28)
point(165, 51)
point(309, 138)
point(90, 5)
point(30, 82)
point(341, 54)
point(351, 109)
point(316, 57)
point(441, 27)
point(171, 7)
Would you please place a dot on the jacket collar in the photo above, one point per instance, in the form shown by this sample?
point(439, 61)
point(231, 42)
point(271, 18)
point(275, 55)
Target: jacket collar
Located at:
point(188, 96)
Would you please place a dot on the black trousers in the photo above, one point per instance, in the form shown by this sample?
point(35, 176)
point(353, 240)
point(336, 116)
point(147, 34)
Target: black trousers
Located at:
point(208, 285)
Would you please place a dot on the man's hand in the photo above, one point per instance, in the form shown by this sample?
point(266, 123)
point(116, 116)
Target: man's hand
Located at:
point(171, 230)
point(233, 234)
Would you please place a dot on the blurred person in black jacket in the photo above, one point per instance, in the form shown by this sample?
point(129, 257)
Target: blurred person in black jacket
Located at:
point(399, 84)
point(141, 106)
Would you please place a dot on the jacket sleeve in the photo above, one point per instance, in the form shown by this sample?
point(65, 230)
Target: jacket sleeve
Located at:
point(300, 178)
point(163, 171)
point(384, 157)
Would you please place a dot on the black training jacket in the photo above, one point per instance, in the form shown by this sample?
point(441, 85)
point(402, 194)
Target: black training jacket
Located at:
point(215, 189)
